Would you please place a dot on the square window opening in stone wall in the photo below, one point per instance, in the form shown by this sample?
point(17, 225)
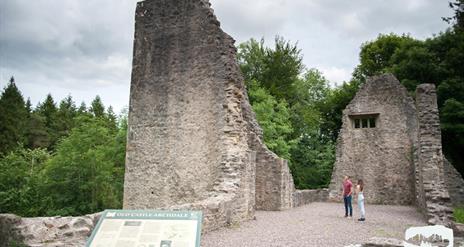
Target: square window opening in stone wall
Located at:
point(364, 121)
point(372, 122)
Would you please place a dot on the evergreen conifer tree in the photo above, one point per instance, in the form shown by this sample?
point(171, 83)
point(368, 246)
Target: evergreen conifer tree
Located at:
point(13, 118)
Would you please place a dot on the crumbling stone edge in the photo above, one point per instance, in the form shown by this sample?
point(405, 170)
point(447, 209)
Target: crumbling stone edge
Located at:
point(46, 231)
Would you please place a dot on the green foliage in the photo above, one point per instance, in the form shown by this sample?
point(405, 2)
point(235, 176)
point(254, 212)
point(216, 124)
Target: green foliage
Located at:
point(73, 162)
point(458, 19)
point(65, 116)
point(459, 214)
point(28, 106)
point(288, 104)
point(275, 69)
point(251, 56)
point(414, 64)
point(310, 93)
point(37, 134)
point(274, 118)
point(332, 109)
point(16, 244)
point(13, 118)
point(82, 110)
point(283, 67)
point(452, 119)
point(20, 182)
point(315, 158)
point(48, 111)
point(82, 178)
point(97, 108)
point(376, 57)
point(111, 118)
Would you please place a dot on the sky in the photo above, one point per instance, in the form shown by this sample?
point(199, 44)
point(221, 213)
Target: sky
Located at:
point(83, 48)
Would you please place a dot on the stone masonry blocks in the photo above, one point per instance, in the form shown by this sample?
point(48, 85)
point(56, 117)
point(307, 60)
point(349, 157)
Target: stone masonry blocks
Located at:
point(435, 200)
point(193, 141)
point(399, 157)
point(381, 156)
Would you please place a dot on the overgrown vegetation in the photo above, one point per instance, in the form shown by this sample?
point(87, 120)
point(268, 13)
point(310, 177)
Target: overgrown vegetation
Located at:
point(459, 214)
point(290, 102)
point(69, 160)
point(303, 122)
point(59, 160)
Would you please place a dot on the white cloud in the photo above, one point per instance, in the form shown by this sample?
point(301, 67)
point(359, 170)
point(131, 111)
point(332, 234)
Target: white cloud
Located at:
point(336, 75)
point(84, 48)
point(352, 23)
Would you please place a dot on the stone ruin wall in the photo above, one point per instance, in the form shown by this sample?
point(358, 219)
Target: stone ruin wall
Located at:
point(455, 184)
point(187, 142)
point(381, 156)
point(193, 141)
point(401, 159)
point(274, 181)
point(303, 197)
point(191, 126)
point(46, 231)
point(433, 197)
point(274, 186)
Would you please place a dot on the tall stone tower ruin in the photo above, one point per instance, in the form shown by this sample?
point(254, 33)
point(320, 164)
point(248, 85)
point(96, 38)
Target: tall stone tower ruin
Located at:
point(193, 141)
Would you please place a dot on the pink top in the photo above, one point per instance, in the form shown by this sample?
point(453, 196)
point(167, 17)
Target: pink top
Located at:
point(347, 187)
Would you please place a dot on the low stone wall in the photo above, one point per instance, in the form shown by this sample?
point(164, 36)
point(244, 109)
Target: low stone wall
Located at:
point(458, 229)
point(274, 184)
point(383, 242)
point(46, 231)
point(8, 232)
point(302, 197)
point(74, 231)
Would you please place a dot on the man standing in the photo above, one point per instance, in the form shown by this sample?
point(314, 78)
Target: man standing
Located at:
point(347, 195)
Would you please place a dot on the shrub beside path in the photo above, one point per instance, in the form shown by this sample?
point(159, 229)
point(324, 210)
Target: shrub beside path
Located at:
point(316, 224)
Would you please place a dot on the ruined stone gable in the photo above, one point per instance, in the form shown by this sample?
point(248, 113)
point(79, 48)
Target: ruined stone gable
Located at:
point(394, 144)
point(376, 142)
point(193, 141)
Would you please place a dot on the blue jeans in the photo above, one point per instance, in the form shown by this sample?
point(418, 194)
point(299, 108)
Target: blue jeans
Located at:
point(347, 200)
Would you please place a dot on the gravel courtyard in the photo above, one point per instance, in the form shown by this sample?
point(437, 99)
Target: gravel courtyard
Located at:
point(316, 224)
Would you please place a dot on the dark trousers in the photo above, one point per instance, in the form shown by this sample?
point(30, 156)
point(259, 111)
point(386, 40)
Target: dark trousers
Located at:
point(347, 200)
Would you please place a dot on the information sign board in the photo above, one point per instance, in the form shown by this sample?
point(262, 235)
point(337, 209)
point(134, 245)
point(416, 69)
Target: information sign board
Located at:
point(145, 228)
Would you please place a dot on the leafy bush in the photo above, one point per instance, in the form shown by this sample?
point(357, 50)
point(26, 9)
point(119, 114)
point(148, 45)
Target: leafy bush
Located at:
point(459, 214)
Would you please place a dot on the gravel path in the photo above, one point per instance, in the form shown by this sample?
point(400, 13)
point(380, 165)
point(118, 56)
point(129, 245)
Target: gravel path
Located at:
point(316, 224)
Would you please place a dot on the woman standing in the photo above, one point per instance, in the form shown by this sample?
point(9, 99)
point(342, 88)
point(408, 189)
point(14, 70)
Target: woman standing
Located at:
point(359, 192)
